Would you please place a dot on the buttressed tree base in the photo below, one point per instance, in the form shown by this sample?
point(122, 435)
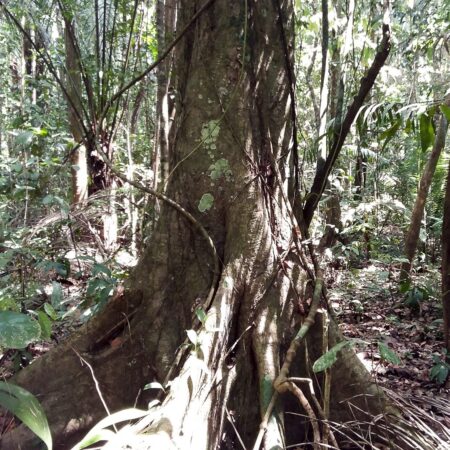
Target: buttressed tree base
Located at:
point(231, 164)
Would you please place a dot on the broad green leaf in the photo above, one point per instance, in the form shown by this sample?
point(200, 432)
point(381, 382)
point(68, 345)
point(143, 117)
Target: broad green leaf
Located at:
point(439, 372)
point(390, 132)
point(26, 407)
point(426, 132)
point(50, 311)
point(57, 294)
point(388, 355)
point(329, 358)
point(100, 268)
point(404, 286)
point(205, 202)
point(446, 111)
point(101, 428)
point(93, 438)
point(45, 324)
point(17, 330)
point(47, 200)
point(201, 315)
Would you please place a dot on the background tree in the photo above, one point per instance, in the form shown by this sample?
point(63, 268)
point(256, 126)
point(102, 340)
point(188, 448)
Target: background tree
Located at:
point(412, 235)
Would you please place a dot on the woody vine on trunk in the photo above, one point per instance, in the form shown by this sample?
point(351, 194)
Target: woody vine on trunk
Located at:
point(232, 143)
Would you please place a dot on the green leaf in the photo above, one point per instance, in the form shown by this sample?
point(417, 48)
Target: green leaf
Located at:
point(93, 438)
point(205, 202)
point(201, 315)
point(329, 358)
point(57, 294)
point(42, 132)
point(47, 200)
point(388, 355)
point(17, 330)
point(45, 324)
point(100, 268)
point(26, 407)
point(24, 138)
point(390, 132)
point(405, 285)
point(99, 431)
point(446, 111)
point(426, 132)
point(439, 372)
point(50, 311)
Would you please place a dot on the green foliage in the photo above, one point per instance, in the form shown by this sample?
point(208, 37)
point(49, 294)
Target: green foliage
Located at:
point(388, 355)
point(446, 111)
point(101, 285)
point(45, 324)
point(17, 330)
point(329, 358)
point(101, 431)
point(426, 132)
point(201, 315)
point(414, 295)
point(27, 408)
point(440, 370)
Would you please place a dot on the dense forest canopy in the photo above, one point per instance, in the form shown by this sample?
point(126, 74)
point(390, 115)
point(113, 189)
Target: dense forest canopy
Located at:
point(225, 223)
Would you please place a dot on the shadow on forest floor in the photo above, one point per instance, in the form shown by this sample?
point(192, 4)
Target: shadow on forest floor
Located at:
point(374, 312)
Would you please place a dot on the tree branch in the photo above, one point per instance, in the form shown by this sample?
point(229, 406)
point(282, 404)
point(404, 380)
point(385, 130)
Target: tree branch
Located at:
point(322, 173)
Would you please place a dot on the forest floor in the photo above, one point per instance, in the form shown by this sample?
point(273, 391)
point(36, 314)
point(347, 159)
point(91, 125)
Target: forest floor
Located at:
point(373, 314)
point(376, 316)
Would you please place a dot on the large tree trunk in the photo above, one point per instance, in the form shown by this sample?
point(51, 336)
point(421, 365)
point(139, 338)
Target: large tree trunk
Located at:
point(412, 236)
point(446, 264)
point(233, 133)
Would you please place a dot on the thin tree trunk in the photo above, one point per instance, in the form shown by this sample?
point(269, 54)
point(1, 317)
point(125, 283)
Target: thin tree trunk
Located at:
point(166, 13)
point(79, 168)
point(412, 236)
point(336, 109)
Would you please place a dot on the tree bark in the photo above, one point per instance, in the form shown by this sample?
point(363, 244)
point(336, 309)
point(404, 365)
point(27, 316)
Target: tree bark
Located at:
point(446, 264)
point(166, 13)
point(79, 168)
point(233, 129)
point(412, 237)
point(333, 219)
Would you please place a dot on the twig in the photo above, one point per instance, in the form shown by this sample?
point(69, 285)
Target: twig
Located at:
point(97, 386)
point(309, 411)
point(328, 431)
point(234, 428)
